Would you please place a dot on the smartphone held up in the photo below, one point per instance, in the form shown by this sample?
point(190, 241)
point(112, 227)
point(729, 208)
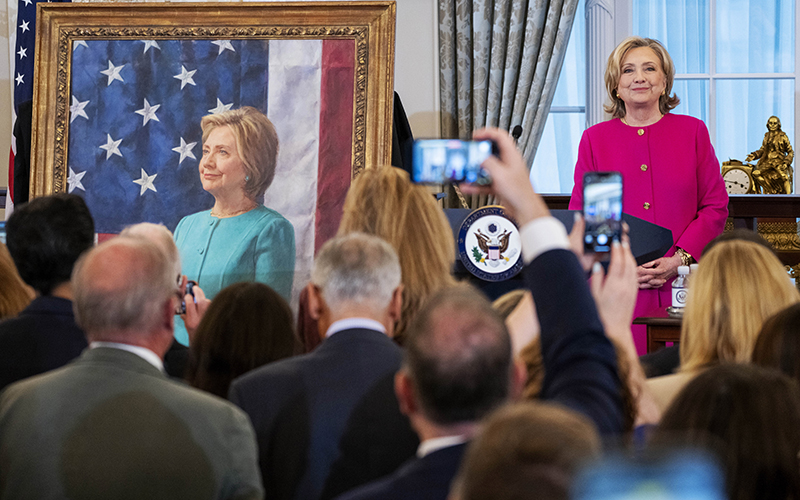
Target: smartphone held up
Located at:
point(438, 161)
point(602, 210)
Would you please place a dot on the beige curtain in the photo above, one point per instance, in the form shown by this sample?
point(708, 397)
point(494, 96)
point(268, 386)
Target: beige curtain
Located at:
point(499, 65)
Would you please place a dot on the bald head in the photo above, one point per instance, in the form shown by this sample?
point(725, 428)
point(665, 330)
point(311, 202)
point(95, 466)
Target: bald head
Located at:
point(160, 236)
point(458, 356)
point(120, 288)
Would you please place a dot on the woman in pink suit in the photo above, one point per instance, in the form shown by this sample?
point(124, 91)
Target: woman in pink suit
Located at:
point(670, 173)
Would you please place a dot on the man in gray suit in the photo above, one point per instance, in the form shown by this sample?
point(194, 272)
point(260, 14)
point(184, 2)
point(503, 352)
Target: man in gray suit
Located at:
point(111, 424)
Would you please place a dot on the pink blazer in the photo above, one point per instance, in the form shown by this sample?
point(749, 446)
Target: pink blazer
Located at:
point(671, 177)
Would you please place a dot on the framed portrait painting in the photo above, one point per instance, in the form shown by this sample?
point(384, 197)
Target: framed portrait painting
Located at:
point(121, 88)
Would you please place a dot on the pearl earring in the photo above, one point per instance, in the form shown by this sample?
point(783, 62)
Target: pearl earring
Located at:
point(246, 178)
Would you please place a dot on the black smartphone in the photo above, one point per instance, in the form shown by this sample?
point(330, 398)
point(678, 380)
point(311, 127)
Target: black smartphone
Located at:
point(189, 290)
point(437, 161)
point(602, 210)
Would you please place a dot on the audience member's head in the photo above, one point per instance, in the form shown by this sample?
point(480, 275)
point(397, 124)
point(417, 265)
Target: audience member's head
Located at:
point(46, 236)
point(124, 291)
point(385, 203)
point(160, 236)
point(506, 303)
point(738, 234)
point(458, 365)
point(778, 343)
point(246, 326)
point(356, 275)
point(736, 287)
point(526, 450)
point(15, 295)
point(750, 416)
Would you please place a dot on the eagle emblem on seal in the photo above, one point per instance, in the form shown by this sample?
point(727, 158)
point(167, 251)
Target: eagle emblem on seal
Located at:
point(492, 245)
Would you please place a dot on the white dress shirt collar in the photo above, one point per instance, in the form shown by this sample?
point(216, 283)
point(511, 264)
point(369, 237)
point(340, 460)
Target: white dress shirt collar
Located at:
point(541, 235)
point(430, 445)
point(350, 323)
point(142, 352)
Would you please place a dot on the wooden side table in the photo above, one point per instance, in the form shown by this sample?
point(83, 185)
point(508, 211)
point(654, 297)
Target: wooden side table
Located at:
point(661, 328)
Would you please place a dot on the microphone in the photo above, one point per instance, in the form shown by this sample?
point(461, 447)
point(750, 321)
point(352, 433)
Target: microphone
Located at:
point(516, 132)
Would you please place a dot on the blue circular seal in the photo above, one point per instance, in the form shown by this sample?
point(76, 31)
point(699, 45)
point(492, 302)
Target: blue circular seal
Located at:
point(489, 244)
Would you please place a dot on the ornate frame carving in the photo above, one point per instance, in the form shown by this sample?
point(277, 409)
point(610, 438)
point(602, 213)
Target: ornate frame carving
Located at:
point(371, 24)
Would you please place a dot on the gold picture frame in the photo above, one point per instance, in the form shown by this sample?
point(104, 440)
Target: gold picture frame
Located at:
point(371, 24)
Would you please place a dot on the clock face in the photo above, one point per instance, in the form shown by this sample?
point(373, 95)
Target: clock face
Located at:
point(737, 181)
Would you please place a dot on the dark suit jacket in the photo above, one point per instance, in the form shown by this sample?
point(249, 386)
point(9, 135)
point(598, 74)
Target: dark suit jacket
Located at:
point(43, 337)
point(327, 421)
point(111, 425)
point(22, 158)
point(580, 362)
point(426, 478)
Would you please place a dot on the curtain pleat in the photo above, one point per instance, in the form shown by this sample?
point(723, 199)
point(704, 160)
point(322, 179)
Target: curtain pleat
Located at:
point(499, 66)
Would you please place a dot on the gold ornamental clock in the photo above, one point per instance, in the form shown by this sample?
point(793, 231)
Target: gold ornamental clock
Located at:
point(738, 177)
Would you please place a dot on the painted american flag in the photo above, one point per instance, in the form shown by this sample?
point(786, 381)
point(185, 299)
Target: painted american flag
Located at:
point(135, 137)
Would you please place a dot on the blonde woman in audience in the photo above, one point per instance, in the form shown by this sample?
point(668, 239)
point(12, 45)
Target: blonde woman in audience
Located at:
point(15, 295)
point(738, 285)
point(383, 202)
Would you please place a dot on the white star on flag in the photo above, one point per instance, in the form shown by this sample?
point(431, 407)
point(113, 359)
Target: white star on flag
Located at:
point(185, 150)
point(23, 52)
point(27, 2)
point(111, 146)
point(146, 182)
point(148, 112)
point(220, 107)
point(76, 109)
point(150, 43)
point(113, 73)
point(19, 79)
point(24, 27)
point(78, 43)
point(186, 77)
point(223, 46)
point(74, 180)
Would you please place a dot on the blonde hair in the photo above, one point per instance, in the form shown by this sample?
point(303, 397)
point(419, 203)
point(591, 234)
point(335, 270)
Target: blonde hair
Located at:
point(383, 202)
point(256, 142)
point(15, 295)
point(666, 103)
point(738, 285)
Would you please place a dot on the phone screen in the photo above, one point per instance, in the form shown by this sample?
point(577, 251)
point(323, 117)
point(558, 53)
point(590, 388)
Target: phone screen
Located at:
point(687, 475)
point(602, 210)
point(438, 161)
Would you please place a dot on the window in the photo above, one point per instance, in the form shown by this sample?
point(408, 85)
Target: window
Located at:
point(736, 66)
point(732, 73)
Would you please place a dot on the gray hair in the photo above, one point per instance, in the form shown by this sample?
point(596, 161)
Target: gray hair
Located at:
point(161, 236)
point(357, 268)
point(120, 285)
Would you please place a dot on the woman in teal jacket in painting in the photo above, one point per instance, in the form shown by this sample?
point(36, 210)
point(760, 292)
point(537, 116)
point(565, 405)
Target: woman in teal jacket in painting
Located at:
point(239, 239)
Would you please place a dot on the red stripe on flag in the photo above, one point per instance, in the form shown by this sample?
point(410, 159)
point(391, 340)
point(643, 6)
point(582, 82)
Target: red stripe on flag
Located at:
point(335, 136)
point(11, 173)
